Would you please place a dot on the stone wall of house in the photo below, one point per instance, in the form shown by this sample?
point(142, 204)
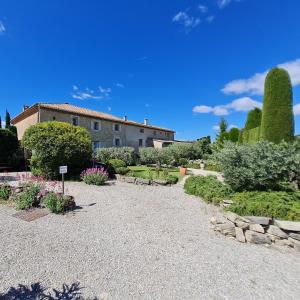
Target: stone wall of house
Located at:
point(26, 123)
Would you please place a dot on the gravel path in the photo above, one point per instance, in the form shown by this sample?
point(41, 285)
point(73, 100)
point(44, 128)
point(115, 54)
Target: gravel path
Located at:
point(135, 242)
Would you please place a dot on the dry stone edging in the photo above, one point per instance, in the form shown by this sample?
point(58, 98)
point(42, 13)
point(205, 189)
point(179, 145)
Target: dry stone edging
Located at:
point(258, 230)
point(141, 181)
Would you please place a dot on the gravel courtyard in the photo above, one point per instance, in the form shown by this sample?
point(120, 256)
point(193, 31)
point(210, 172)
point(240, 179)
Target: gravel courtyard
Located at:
point(135, 242)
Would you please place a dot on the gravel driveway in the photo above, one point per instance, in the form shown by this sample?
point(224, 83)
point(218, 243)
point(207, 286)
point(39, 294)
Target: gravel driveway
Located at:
point(135, 242)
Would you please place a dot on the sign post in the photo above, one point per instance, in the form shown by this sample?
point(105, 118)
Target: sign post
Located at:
point(63, 170)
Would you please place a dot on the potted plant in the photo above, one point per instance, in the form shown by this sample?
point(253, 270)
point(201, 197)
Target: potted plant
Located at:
point(183, 166)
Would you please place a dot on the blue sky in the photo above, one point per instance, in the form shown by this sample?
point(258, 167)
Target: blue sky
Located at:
point(182, 64)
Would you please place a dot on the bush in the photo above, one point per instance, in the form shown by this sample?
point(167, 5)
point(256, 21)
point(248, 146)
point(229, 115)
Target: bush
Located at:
point(155, 156)
point(172, 179)
point(57, 143)
point(58, 203)
point(8, 145)
point(253, 119)
point(209, 188)
point(122, 170)
point(277, 115)
point(280, 205)
point(28, 198)
point(126, 154)
point(95, 176)
point(259, 166)
point(5, 190)
point(183, 162)
point(233, 135)
point(114, 164)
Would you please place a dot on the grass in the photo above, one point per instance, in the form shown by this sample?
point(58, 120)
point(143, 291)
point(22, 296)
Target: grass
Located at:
point(143, 172)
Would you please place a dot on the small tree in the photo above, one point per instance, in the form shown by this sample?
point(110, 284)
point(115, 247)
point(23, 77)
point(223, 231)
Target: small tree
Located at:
point(233, 135)
point(8, 145)
point(57, 143)
point(7, 119)
point(277, 114)
point(223, 134)
point(253, 119)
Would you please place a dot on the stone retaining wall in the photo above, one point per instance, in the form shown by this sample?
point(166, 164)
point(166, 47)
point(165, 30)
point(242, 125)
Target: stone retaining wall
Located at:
point(141, 181)
point(258, 230)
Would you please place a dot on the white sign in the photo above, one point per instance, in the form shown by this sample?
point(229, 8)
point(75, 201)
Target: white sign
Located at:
point(63, 169)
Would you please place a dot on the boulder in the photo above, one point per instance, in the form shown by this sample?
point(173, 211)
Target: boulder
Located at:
point(295, 236)
point(218, 220)
point(295, 243)
point(226, 228)
point(231, 216)
point(259, 220)
point(159, 182)
point(257, 238)
point(242, 224)
point(288, 225)
point(239, 234)
point(257, 228)
point(284, 242)
point(274, 230)
point(142, 181)
point(129, 179)
point(120, 177)
point(273, 237)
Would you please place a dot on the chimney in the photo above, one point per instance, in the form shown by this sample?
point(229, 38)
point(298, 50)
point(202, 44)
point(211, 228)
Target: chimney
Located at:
point(146, 121)
point(125, 118)
point(25, 107)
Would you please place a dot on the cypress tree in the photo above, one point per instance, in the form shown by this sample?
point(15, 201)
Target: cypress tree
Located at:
point(277, 115)
point(253, 119)
point(0, 122)
point(7, 119)
point(233, 135)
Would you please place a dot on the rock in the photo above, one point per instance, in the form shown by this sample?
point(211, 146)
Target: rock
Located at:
point(218, 220)
point(129, 179)
point(120, 177)
point(227, 228)
point(159, 182)
point(273, 237)
point(142, 181)
point(288, 225)
point(295, 236)
point(284, 242)
point(231, 216)
point(256, 237)
point(274, 230)
point(257, 228)
point(259, 220)
point(296, 243)
point(227, 201)
point(242, 224)
point(239, 234)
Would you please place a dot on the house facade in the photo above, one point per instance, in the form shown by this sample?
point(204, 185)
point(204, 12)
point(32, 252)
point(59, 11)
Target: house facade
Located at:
point(106, 130)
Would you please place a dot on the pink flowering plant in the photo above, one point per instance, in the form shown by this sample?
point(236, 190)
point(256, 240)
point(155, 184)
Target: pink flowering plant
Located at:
point(96, 176)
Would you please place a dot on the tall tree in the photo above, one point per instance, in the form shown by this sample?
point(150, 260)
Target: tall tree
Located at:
point(223, 134)
point(7, 119)
point(277, 115)
point(253, 119)
point(0, 122)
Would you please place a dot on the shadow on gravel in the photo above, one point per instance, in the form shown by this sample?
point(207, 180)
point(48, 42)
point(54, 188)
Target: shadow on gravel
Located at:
point(37, 292)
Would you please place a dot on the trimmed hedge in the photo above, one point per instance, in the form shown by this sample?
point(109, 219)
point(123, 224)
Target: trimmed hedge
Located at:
point(54, 144)
point(280, 205)
point(277, 115)
point(209, 188)
point(8, 145)
point(253, 119)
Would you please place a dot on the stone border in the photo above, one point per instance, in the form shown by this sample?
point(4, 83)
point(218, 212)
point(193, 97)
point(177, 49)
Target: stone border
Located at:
point(141, 181)
point(258, 230)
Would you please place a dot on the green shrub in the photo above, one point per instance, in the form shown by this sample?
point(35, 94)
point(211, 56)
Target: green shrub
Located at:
point(209, 188)
point(155, 156)
point(8, 145)
point(277, 115)
point(5, 190)
point(57, 143)
point(95, 176)
point(194, 165)
point(58, 203)
point(183, 162)
point(172, 179)
point(114, 164)
point(233, 135)
point(28, 198)
point(279, 205)
point(259, 166)
point(122, 170)
point(253, 119)
point(126, 154)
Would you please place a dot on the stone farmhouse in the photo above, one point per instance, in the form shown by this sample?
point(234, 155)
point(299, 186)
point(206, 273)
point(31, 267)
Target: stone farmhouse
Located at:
point(106, 130)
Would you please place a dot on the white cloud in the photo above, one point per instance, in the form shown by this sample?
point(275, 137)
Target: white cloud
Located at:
point(255, 84)
point(87, 93)
point(203, 8)
point(189, 22)
point(120, 85)
point(2, 27)
point(3, 124)
point(216, 127)
point(238, 105)
point(223, 3)
point(209, 19)
point(232, 126)
point(297, 110)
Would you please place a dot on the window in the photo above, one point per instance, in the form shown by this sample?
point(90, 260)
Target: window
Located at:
point(117, 142)
point(96, 145)
point(154, 132)
point(53, 118)
point(117, 127)
point(140, 142)
point(75, 121)
point(142, 130)
point(95, 125)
